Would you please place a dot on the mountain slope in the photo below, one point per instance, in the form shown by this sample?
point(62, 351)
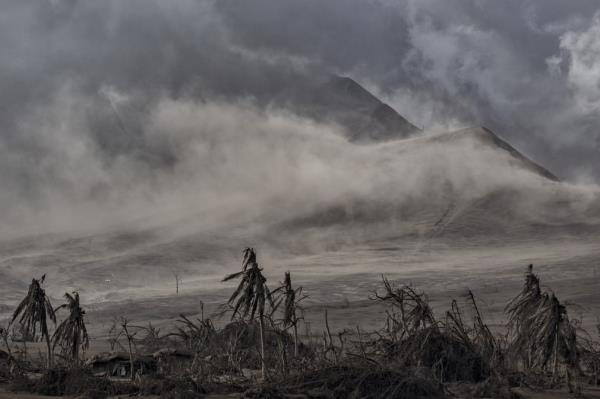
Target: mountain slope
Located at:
point(342, 101)
point(486, 136)
point(463, 184)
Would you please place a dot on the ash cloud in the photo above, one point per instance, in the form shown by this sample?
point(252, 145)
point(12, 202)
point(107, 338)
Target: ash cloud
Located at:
point(117, 109)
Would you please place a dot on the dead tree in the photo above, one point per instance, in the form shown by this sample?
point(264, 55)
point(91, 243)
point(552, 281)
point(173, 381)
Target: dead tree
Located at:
point(130, 337)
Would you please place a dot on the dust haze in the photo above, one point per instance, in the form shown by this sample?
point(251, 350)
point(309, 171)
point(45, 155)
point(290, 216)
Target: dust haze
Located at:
point(229, 161)
point(138, 138)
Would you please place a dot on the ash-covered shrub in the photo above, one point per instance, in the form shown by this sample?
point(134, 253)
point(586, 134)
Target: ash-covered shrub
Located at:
point(492, 387)
point(365, 382)
point(21, 383)
point(244, 336)
point(448, 358)
point(71, 382)
point(171, 388)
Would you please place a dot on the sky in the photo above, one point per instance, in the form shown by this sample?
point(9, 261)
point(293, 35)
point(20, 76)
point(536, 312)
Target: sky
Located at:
point(99, 101)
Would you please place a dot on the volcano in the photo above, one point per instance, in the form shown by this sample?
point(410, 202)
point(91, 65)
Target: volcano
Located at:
point(440, 208)
point(342, 101)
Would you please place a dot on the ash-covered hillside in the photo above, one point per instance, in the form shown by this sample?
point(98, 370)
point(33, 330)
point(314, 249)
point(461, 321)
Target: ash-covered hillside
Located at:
point(292, 186)
point(341, 100)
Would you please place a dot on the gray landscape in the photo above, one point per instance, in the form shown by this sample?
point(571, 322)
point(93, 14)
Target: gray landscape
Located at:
point(371, 199)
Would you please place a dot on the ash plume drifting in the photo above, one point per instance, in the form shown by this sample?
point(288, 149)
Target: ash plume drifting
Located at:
point(137, 110)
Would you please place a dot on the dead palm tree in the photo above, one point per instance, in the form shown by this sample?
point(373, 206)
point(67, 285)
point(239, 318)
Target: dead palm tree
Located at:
point(415, 312)
point(554, 333)
point(290, 298)
point(541, 327)
point(521, 310)
point(35, 309)
point(71, 333)
point(248, 299)
point(482, 336)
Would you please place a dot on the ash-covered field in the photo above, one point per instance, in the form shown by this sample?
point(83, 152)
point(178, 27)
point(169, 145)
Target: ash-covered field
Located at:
point(468, 227)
